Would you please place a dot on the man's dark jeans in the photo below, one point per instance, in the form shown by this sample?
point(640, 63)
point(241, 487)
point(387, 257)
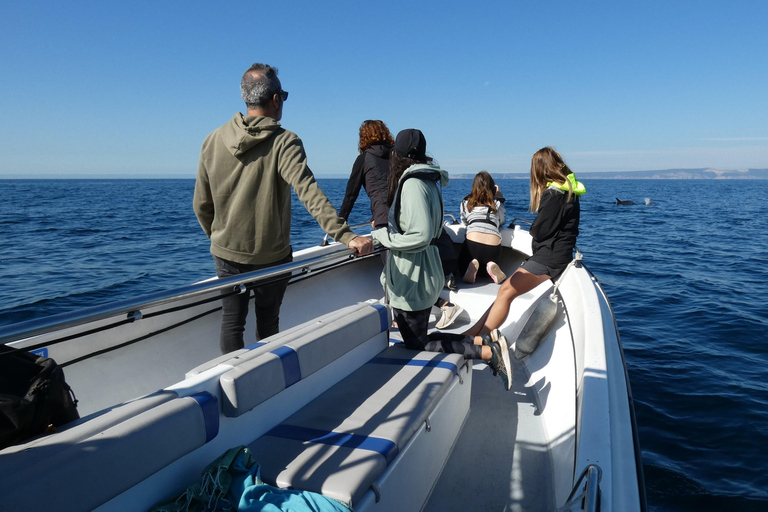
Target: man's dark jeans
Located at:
point(267, 301)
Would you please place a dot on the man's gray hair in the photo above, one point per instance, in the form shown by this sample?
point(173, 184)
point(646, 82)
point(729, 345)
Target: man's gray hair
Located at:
point(258, 85)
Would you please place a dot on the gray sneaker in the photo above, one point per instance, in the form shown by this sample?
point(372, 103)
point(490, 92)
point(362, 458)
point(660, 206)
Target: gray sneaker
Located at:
point(499, 362)
point(450, 313)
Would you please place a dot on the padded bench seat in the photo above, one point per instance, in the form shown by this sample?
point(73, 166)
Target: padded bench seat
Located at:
point(254, 350)
point(101, 456)
point(263, 372)
point(343, 441)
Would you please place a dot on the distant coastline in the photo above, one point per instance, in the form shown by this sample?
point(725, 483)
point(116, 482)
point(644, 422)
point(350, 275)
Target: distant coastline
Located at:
point(667, 174)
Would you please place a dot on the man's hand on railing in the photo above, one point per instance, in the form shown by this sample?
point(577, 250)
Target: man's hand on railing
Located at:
point(361, 245)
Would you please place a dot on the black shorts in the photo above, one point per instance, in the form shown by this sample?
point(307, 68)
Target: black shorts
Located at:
point(539, 269)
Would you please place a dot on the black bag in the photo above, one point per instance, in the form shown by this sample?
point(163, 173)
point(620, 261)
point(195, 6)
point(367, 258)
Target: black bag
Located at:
point(34, 397)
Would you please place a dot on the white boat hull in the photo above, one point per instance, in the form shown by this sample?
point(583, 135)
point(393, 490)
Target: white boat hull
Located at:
point(570, 407)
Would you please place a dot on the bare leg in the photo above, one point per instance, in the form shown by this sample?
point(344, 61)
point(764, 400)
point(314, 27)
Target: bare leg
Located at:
point(477, 327)
point(519, 283)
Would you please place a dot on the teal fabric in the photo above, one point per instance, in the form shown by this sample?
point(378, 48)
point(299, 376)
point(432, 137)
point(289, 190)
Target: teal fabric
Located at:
point(232, 482)
point(414, 274)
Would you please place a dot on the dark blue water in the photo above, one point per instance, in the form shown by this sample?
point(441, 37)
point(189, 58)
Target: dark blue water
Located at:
point(686, 277)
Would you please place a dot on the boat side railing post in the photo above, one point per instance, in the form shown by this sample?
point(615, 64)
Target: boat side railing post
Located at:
point(575, 262)
point(585, 495)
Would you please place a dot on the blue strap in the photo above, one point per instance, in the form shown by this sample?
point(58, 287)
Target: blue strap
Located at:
point(428, 363)
point(383, 316)
point(210, 407)
point(291, 368)
point(255, 345)
point(384, 447)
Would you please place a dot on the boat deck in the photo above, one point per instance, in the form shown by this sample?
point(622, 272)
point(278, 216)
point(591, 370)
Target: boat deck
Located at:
point(481, 475)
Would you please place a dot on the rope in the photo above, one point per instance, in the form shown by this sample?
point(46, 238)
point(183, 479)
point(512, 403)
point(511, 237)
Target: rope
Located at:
point(576, 259)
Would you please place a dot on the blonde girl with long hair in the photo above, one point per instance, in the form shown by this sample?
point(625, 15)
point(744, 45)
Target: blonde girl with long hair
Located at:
point(555, 199)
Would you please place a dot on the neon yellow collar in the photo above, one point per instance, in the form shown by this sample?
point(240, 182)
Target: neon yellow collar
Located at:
point(577, 186)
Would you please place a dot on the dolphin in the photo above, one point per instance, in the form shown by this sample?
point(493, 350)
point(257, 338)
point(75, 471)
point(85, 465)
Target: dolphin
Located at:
point(619, 201)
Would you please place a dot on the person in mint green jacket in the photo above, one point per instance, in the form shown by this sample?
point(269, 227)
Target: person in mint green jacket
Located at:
point(413, 275)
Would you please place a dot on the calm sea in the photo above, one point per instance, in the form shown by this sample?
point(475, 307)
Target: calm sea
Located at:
point(686, 276)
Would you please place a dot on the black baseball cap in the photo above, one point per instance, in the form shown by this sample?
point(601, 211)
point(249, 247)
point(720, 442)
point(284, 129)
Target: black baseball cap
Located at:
point(412, 144)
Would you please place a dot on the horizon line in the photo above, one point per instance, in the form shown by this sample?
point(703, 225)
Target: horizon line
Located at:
point(171, 176)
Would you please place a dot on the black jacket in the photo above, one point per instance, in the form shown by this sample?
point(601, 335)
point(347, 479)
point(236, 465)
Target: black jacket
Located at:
point(555, 228)
point(370, 171)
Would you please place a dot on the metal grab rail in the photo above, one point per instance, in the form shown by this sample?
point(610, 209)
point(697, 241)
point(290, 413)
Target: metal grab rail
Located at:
point(325, 241)
point(588, 497)
point(512, 224)
point(132, 308)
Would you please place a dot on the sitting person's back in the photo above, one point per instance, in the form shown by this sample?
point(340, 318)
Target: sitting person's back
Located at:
point(483, 213)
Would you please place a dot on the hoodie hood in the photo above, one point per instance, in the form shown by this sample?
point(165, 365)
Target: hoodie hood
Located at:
point(242, 133)
point(380, 149)
point(426, 169)
point(577, 187)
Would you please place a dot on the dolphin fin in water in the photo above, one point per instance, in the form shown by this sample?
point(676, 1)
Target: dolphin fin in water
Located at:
point(619, 201)
point(537, 324)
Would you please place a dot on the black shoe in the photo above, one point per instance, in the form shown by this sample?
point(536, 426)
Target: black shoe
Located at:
point(491, 337)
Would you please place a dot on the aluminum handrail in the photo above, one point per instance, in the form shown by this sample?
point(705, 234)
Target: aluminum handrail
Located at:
point(586, 498)
point(132, 308)
point(512, 224)
point(325, 241)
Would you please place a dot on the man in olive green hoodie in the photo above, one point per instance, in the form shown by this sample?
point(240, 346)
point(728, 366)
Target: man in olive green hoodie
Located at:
point(243, 201)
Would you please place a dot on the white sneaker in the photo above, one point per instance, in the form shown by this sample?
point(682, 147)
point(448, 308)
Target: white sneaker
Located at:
point(450, 314)
point(495, 272)
point(471, 274)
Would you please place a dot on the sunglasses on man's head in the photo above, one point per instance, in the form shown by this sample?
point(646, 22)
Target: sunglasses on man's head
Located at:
point(283, 94)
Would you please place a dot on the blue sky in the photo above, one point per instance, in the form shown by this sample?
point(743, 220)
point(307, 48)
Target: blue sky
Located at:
point(133, 88)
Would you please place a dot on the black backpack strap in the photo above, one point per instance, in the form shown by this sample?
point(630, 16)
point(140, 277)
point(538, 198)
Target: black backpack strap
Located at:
point(486, 220)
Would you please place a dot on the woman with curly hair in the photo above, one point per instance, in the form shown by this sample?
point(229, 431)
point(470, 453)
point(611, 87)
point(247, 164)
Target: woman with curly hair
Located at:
point(483, 213)
point(370, 171)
